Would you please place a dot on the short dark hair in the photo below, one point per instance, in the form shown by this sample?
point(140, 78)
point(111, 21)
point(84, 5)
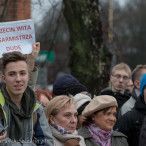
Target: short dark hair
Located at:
point(11, 57)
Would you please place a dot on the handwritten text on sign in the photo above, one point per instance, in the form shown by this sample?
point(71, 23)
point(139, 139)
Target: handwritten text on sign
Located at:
point(17, 36)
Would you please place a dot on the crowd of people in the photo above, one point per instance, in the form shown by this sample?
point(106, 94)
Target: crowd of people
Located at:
point(72, 116)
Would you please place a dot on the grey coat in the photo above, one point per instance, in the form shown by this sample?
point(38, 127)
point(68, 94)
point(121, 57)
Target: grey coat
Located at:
point(118, 139)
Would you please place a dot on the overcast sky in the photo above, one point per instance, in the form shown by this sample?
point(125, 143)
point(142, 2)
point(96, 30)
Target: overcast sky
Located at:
point(38, 11)
point(122, 2)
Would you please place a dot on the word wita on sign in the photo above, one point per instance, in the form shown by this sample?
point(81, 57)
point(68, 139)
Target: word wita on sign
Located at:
point(13, 29)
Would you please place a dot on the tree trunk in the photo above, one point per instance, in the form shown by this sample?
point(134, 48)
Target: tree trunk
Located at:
point(90, 60)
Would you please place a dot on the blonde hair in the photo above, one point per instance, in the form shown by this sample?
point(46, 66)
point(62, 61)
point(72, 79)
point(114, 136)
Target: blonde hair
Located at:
point(55, 104)
point(122, 66)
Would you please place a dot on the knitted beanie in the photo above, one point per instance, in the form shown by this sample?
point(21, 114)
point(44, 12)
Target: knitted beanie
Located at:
point(80, 99)
point(142, 84)
point(67, 84)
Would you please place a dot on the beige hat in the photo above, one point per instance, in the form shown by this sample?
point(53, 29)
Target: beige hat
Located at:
point(99, 103)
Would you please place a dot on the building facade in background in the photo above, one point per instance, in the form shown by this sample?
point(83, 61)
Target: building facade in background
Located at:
point(13, 10)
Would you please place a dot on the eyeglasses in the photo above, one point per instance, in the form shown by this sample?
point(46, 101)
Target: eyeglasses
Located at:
point(125, 78)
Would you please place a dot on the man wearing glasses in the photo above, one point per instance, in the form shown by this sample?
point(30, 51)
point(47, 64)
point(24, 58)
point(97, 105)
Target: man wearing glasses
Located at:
point(119, 79)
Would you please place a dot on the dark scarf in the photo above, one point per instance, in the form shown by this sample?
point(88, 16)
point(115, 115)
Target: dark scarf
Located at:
point(18, 116)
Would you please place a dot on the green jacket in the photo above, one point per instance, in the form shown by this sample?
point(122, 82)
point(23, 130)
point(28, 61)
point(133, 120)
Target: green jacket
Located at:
point(118, 139)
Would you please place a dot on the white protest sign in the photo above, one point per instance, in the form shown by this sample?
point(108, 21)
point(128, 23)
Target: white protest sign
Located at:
point(17, 36)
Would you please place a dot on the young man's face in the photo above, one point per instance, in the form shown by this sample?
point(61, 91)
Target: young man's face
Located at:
point(119, 80)
point(16, 78)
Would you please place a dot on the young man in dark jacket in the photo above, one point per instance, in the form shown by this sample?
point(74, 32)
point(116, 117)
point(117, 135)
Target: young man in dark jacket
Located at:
point(131, 122)
point(119, 79)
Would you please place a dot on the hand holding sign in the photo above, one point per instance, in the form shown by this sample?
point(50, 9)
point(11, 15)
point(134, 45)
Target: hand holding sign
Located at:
point(32, 57)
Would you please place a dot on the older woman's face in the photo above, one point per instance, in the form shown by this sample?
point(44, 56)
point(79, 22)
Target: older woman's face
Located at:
point(105, 121)
point(66, 118)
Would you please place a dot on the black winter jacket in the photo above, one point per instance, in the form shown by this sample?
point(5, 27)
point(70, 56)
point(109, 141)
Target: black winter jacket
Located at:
point(142, 137)
point(131, 122)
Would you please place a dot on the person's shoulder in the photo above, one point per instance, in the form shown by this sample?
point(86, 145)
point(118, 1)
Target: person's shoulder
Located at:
point(123, 121)
point(119, 139)
point(83, 131)
point(38, 106)
point(128, 105)
point(39, 109)
point(130, 102)
point(106, 91)
point(130, 114)
point(129, 118)
point(118, 134)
